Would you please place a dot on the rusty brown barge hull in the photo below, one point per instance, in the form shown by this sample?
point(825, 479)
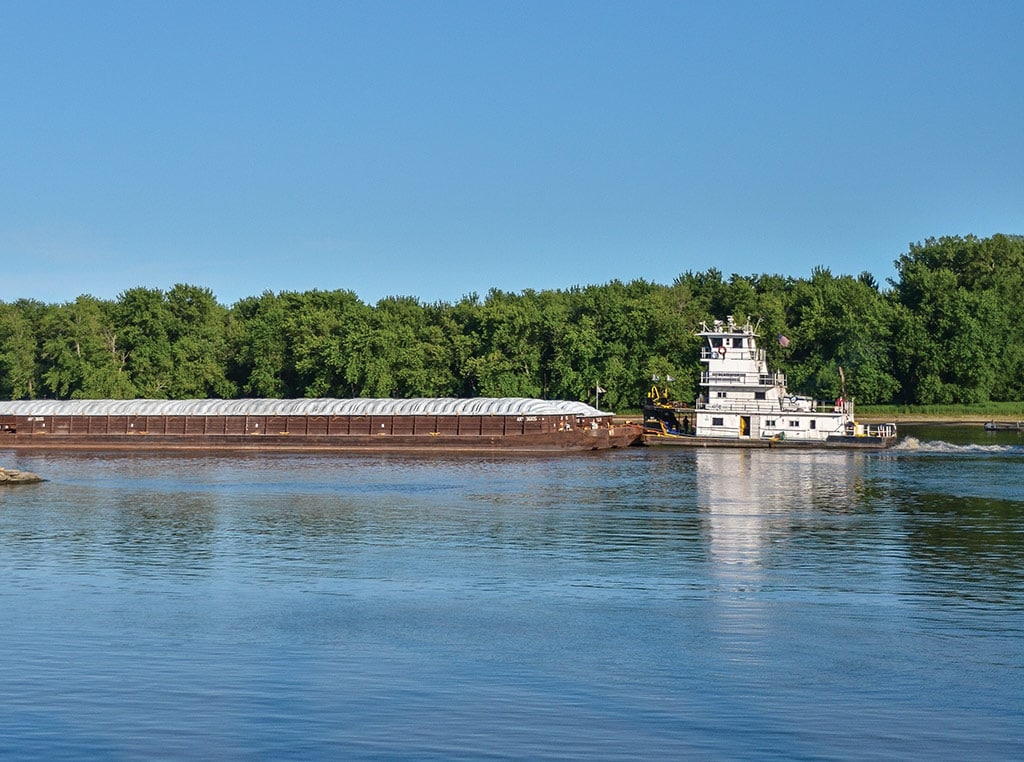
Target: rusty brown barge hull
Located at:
point(565, 429)
point(530, 442)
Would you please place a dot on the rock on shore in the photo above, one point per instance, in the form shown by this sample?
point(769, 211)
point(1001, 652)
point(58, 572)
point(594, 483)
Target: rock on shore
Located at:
point(11, 476)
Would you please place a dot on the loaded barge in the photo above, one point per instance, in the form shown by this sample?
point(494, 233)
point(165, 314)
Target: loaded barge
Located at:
point(743, 404)
point(508, 424)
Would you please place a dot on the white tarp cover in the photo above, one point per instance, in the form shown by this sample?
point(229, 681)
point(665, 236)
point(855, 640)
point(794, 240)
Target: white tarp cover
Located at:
point(360, 406)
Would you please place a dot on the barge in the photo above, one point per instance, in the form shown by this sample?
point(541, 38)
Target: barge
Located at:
point(426, 424)
point(743, 404)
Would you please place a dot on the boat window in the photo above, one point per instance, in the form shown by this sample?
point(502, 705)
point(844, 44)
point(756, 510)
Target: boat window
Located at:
point(770, 424)
point(814, 424)
point(759, 395)
point(794, 424)
point(717, 421)
point(738, 343)
point(720, 394)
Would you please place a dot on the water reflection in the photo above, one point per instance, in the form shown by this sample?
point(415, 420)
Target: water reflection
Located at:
point(154, 532)
point(967, 547)
point(755, 505)
point(957, 492)
point(756, 498)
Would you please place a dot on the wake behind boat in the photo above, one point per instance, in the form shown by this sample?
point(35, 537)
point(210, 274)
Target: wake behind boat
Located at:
point(743, 404)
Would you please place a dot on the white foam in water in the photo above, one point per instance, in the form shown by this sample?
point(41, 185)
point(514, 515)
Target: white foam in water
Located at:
point(913, 444)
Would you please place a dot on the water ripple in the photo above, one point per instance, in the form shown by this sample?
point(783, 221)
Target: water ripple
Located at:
point(647, 603)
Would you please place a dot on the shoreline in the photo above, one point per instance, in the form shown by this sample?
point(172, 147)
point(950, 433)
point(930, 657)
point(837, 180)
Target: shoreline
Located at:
point(937, 419)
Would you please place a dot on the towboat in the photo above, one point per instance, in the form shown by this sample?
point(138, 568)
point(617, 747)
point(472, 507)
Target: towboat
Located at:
point(744, 404)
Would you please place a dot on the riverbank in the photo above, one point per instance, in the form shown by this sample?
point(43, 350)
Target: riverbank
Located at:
point(948, 417)
point(952, 418)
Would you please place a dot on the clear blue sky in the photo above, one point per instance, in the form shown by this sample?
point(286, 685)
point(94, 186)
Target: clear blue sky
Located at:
point(436, 149)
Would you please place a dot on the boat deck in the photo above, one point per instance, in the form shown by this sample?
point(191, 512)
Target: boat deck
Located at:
point(658, 439)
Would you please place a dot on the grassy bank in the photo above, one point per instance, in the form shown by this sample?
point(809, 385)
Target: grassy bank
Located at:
point(984, 411)
point(981, 412)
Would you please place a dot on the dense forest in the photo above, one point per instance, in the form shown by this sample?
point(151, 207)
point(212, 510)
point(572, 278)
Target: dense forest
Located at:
point(947, 329)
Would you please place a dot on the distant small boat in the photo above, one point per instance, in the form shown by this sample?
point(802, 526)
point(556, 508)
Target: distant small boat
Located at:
point(1004, 426)
point(746, 405)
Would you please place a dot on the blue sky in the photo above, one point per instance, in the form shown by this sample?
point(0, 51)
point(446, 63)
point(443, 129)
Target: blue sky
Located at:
point(436, 149)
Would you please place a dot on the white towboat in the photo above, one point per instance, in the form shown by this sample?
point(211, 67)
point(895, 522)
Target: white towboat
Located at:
point(743, 404)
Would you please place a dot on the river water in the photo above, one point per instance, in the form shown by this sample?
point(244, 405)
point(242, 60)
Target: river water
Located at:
point(651, 603)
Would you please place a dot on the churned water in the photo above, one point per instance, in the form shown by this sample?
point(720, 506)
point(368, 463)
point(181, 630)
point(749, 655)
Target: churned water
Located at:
point(649, 603)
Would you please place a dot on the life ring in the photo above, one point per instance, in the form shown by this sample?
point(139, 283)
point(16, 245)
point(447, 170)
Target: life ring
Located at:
point(721, 350)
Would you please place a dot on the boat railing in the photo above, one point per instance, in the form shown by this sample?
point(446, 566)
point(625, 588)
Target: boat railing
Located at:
point(724, 378)
point(788, 404)
point(883, 430)
point(721, 377)
point(829, 407)
point(731, 353)
point(742, 406)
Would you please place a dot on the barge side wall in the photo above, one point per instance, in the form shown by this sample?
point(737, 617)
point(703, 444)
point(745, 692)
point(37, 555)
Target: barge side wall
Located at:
point(551, 433)
point(300, 425)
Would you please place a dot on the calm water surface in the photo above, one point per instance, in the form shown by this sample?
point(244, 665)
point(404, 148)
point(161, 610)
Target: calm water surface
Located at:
point(643, 603)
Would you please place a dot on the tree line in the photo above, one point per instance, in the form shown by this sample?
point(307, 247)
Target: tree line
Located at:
point(947, 329)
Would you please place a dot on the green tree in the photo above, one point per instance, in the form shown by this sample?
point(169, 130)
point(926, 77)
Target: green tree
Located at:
point(142, 320)
point(508, 354)
point(197, 332)
point(261, 363)
point(81, 353)
point(945, 344)
point(319, 326)
point(400, 351)
point(19, 349)
point(842, 322)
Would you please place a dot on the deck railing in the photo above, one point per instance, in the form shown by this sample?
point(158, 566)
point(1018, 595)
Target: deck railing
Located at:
point(743, 353)
point(885, 430)
point(785, 405)
point(740, 406)
point(725, 378)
